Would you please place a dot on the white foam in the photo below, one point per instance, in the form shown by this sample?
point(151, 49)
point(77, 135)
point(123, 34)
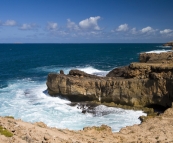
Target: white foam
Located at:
point(87, 69)
point(30, 102)
point(164, 46)
point(91, 70)
point(159, 51)
point(52, 68)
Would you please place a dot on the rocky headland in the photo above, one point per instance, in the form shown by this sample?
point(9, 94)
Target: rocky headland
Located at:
point(145, 83)
point(148, 82)
point(168, 44)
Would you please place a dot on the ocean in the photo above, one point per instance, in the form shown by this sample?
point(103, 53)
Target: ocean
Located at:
point(23, 73)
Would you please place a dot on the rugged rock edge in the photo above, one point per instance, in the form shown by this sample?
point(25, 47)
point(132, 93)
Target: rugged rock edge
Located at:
point(152, 130)
point(143, 84)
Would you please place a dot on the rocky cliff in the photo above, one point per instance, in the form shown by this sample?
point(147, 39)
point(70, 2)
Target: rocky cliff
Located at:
point(146, 83)
point(168, 44)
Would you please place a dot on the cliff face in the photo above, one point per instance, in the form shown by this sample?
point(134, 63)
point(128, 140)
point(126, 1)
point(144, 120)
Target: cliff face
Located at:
point(169, 44)
point(139, 84)
point(164, 57)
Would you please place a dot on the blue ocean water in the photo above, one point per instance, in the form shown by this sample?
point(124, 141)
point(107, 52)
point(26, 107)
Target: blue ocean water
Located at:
point(24, 69)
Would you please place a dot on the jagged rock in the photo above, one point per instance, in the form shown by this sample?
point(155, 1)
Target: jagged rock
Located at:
point(61, 72)
point(41, 124)
point(135, 92)
point(101, 128)
point(118, 72)
point(79, 73)
point(163, 57)
point(140, 84)
point(168, 44)
point(149, 70)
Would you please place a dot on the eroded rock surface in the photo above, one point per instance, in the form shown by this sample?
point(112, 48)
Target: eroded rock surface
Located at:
point(168, 44)
point(140, 84)
point(163, 57)
point(158, 129)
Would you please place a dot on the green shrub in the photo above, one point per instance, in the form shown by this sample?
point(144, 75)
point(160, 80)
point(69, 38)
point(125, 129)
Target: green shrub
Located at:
point(5, 132)
point(11, 117)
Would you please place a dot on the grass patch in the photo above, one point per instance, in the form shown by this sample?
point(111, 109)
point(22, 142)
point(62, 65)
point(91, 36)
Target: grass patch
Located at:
point(5, 132)
point(11, 117)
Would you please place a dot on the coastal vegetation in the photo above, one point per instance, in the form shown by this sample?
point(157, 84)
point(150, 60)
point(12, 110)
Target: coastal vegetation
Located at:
point(5, 132)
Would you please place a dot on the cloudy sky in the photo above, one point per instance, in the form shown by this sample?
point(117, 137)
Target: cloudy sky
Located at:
point(86, 21)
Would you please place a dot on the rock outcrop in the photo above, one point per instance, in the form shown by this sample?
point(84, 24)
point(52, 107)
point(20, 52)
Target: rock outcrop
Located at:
point(168, 44)
point(145, 83)
point(163, 57)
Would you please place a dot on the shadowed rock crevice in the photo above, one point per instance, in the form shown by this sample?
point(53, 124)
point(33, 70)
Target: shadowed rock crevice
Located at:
point(158, 108)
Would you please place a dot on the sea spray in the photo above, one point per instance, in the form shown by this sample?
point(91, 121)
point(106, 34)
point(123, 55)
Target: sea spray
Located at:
point(23, 73)
point(28, 100)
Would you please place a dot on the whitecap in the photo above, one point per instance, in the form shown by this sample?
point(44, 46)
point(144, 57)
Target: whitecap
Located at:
point(164, 46)
point(92, 70)
point(30, 102)
point(52, 69)
point(55, 69)
point(159, 51)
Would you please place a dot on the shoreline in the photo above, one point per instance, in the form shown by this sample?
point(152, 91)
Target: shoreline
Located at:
point(157, 129)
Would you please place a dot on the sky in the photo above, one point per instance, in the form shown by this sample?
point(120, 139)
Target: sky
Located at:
point(86, 21)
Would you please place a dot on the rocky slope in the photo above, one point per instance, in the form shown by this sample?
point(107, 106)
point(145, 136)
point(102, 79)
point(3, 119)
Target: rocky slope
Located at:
point(158, 129)
point(146, 83)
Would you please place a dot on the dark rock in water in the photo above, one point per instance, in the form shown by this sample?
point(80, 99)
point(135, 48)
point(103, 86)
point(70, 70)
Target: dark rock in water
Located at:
point(84, 111)
point(93, 108)
point(61, 72)
point(86, 107)
point(140, 84)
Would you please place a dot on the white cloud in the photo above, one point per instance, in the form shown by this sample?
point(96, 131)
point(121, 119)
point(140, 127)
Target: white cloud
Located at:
point(166, 31)
point(52, 26)
point(71, 25)
point(133, 31)
point(10, 23)
point(123, 27)
point(28, 26)
point(90, 23)
point(147, 30)
point(62, 33)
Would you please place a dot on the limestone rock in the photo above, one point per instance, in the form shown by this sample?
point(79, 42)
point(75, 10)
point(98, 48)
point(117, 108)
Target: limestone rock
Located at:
point(79, 73)
point(139, 84)
point(118, 72)
point(168, 44)
point(135, 92)
point(61, 72)
point(163, 57)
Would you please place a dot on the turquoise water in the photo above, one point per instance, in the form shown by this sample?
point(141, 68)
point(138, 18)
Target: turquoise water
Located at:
point(23, 73)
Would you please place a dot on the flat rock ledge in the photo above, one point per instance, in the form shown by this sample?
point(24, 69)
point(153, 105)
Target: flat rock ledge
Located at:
point(148, 82)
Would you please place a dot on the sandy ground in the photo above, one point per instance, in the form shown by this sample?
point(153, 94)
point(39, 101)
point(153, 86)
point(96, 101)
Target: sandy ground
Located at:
point(154, 130)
